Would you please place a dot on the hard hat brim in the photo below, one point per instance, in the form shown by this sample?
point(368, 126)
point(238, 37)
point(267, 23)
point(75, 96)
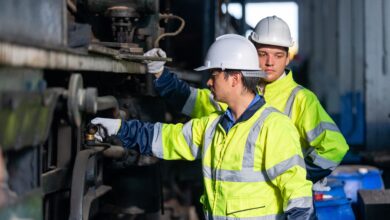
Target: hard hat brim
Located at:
point(246, 73)
point(272, 43)
point(201, 68)
point(254, 73)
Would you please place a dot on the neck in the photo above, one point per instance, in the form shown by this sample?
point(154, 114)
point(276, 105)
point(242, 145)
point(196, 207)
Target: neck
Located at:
point(239, 104)
point(264, 83)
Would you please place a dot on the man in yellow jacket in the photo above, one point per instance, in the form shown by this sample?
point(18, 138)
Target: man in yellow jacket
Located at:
point(322, 143)
point(253, 167)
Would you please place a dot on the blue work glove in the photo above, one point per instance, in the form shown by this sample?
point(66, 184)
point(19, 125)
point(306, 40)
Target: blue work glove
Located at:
point(111, 125)
point(155, 67)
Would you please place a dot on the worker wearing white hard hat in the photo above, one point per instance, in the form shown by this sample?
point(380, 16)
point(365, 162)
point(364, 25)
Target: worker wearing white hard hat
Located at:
point(253, 166)
point(322, 142)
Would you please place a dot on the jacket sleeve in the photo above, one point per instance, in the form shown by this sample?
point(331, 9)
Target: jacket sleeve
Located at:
point(326, 146)
point(190, 101)
point(285, 166)
point(134, 133)
point(165, 141)
point(172, 89)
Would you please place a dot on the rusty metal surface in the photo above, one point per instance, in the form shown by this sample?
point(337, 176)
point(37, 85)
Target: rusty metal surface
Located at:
point(132, 47)
point(126, 56)
point(25, 56)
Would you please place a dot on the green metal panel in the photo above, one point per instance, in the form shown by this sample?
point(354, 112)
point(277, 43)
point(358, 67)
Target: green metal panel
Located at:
point(27, 207)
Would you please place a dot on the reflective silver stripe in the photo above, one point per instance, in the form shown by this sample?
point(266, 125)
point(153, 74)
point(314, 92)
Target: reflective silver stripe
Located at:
point(244, 175)
point(187, 133)
point(303, 202)
point(290, 101)
point(207, 172)
point(190, 103)
point(317, 131)
point(248, 160)
point(322, 162)
point(157, 144)
point(265, 217)
point(209, 134)
point(312, 135)
point(283, 166)
point(249, 175)
point(214, 103)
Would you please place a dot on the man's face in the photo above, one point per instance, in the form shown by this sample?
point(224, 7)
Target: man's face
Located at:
point(273, 60)
point(219, 85)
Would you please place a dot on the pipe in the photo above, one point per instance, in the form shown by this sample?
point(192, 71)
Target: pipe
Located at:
point(107, 102)
point(72, 6)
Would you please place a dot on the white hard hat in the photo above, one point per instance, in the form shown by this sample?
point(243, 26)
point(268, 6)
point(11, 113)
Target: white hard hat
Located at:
point(234, 52)
point(272, 31)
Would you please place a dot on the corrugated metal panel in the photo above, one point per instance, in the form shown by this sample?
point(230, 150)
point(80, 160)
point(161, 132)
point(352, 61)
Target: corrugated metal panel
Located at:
point(376, 80)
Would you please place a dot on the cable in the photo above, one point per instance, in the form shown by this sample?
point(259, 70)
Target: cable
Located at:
point(167, 17)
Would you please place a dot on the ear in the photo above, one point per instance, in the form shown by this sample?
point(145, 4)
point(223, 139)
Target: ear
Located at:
point(235, 79)
point(288, 58)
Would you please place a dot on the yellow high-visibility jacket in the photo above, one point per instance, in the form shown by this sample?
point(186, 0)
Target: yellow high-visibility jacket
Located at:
point(322, 143)
point(254, 171)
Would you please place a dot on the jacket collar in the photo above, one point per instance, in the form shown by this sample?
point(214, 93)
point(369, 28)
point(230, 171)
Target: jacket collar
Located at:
point(227, 121)
point(282, 84)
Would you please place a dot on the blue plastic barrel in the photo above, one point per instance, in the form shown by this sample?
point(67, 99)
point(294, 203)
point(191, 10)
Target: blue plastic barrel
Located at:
point(357, 177)
point(334, 209)
point(333, 204)
point(336, 188)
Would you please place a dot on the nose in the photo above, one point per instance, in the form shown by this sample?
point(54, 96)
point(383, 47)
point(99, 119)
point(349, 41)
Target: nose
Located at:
point(269, 61)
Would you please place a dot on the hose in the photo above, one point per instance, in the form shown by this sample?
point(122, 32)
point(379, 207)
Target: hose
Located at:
point(167, 17)
point(71, 5)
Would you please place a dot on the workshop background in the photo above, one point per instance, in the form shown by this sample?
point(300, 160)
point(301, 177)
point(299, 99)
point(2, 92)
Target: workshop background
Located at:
point(64, 62)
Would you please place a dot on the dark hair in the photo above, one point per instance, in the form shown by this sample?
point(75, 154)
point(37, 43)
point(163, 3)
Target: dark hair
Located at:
point(249, 83)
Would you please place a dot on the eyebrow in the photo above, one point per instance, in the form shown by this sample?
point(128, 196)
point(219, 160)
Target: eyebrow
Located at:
point(276, 53)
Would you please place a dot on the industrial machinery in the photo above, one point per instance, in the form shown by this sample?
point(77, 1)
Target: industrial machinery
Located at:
point(61, 64)
point(64, 62)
